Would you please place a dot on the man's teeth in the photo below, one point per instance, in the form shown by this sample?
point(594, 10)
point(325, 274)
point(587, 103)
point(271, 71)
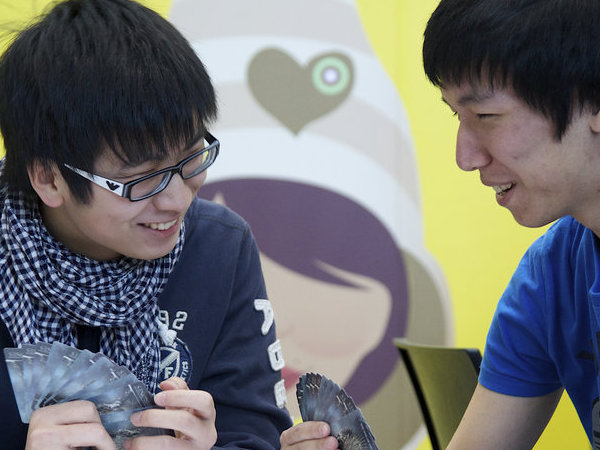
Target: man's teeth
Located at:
point(162, 226)
point(502, 188)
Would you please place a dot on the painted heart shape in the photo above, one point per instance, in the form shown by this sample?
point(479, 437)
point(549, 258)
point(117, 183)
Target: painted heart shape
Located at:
point(297, 95)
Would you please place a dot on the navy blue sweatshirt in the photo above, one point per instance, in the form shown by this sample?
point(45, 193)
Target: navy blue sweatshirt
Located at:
point(225, 343)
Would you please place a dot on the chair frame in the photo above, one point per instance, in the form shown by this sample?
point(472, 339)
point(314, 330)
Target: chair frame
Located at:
point(405, 347)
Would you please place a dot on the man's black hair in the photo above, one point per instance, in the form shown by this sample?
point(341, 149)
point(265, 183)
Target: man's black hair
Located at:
point(93, 74)
point(547, 51)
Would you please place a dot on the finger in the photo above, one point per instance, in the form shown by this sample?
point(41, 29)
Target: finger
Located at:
point(199, 402)
point(66, 425)
point(305, 431)
point(78, 411)
point(182, 421)
point(70, 436)
point(173, 383)
point(328, 443)
point(155, 443)
point(187, 426)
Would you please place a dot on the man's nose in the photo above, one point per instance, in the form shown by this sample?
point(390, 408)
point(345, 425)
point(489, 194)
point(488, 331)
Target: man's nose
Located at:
point(470, 152)
point(175, 195)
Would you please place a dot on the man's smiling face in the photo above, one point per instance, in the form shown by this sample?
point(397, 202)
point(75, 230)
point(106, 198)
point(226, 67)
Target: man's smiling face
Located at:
point(538, 177)
point(110, 226)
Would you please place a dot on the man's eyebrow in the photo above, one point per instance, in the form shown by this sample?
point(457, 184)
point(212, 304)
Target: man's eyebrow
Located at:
point(475, 96)
point(128, 166)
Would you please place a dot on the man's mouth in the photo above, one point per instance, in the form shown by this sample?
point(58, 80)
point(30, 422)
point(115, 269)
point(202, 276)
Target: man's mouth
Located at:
point(501, 189)
point(161, 226)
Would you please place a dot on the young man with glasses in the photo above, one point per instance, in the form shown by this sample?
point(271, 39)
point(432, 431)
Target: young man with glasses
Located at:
point(104, 109)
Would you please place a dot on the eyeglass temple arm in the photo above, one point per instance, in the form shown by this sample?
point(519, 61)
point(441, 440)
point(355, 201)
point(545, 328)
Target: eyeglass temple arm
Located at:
point(111, 185)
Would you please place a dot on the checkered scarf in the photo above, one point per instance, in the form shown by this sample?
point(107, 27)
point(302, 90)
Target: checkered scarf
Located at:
point(45, 290)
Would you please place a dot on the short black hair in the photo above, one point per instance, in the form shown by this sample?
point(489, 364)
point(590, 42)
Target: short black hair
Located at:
point(547, 51)
point(93, 74)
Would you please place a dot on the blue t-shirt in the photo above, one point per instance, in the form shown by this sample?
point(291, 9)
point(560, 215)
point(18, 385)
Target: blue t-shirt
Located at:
point(545, 333)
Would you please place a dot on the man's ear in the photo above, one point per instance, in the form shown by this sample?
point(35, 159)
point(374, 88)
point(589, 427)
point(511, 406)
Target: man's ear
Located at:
point(47, 182)
point(595, 120)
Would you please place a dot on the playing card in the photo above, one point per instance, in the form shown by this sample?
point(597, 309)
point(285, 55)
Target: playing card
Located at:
point(14, 364)
point(349, 426)
point(59, 360)
point(76, 371)
point(300, 388)
point(312, 383)
point(34, 362)
point(119, 427)
point(321, 399)
point(93, 377)
point(115, 378)
point(127, 393)
point(325, 398)
point(119, 422)
point(45, 374)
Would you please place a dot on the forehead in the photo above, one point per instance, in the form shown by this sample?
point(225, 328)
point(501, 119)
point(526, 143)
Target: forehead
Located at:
point(468, 94)
point(124, 159)
point(464, 93)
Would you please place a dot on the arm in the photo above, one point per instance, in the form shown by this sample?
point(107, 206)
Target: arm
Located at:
point(244, 369)
point(230, 339)
point(498, 421)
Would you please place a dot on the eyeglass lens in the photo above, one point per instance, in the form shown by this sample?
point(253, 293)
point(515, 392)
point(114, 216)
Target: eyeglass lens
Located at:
point(154, 184)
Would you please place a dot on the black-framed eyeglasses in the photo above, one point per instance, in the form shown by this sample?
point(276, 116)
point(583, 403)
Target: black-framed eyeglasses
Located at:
point(151, 184)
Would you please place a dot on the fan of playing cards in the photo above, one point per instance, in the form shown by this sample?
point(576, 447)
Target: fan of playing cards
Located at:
point(321, 399)
point(44, 374)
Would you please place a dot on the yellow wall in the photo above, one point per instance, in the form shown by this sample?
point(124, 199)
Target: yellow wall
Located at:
point(477, 243)
point(14, 14)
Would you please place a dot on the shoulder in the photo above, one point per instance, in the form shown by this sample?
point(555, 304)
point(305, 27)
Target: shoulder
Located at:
point(542, 321)
point(566, 238)
point(207, 221)
point(218, 250)
point(206, 213)
point(214, 232)
point(558, 260)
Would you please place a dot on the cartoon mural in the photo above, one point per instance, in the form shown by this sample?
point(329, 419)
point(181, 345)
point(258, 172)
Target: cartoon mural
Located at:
point(317, 156)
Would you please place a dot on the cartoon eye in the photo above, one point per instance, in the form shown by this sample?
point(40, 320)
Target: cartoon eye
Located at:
point(331, 75)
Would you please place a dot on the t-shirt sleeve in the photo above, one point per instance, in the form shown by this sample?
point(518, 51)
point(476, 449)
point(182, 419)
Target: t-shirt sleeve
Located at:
point(516, 358)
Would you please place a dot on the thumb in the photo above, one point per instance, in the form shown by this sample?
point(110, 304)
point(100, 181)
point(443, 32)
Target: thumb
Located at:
point(173, 383)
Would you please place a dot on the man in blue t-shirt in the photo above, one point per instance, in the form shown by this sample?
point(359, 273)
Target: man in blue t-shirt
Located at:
point(523, 77)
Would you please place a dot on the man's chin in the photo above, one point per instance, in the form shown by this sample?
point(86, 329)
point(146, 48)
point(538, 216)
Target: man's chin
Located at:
point(533, 221)
point(148, 254)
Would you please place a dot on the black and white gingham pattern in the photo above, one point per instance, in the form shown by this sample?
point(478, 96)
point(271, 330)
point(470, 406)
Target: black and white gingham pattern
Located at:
point(45, 289)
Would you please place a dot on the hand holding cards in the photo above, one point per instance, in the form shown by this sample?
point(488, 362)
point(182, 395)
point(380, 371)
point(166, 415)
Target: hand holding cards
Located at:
point(45, 374)
point(321, 399)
